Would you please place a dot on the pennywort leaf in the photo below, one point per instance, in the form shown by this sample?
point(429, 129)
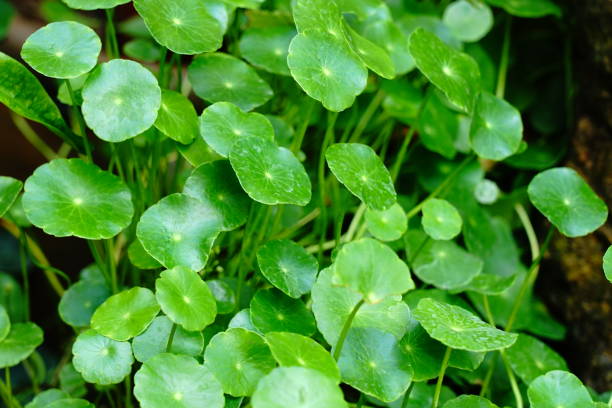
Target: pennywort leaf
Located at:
point(9, 191)
point(100, 359)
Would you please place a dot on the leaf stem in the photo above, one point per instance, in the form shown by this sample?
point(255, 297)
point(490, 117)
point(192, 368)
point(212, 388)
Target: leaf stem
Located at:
point(401, 154)
point(407, 395)
point(367, 115)
point(79, 118)
point(487, 308)
point(355, 223)
point(299, 224)
point(23, 262)
point(112, 46)
point(503, 63)
point(31, 136)
point(488, 376)
point(327, 140)
point(436, 397)
point(112, 269)
point(528, 227)
point(298, 139)
point(162, 67)
point(171, 338)
point(345, 329)
point(515, 389)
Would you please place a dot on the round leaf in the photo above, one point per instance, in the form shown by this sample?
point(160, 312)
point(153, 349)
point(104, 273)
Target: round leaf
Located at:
point(326, 69)
point(168, 380)
point(239, 358)
point(387, 225)
point(22, 340)
point(271, 310)
point(101, 360)
point(46, 397)
point(140, 258)
point(177, 117)
point(65, 49)
point(222, 123)
point(126, 314)
point(441, 220)
point(269, 174)
point(9, 190)
point(288, 267)
point(361, 171)
point(154, 340)
point(124, 91)
point(567, 201)
point(320, 15)
point(224, 294)
point(372, 269)
point(267, 48)
point(373, 362)
point(469, 401)
point(185, 298)
point(457, 328)
point(530, 358)
point(299, 388)
point(71, 197)
point(223, 78)
point(179, 230)
point(496, 129)
point(182, 26)
point(81, 300)
point(607, 263)
point(467, 21)
point(558, 389)
point(70, 403)
point(94, 4)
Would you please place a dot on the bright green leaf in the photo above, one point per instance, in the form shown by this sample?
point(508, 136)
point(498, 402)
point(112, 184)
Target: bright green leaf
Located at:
point(441, 220)
point(21, 341)
point(387, 225)
point(390, 37)
point(177, 117)
point(101, 360)
point(70, 403)
point(468, 21)
point(5, 323)
point(530, 358)
point(154, 340)
point(46, 397)
point(140, 258)
point(224, 294)
point(271, 310)
point(558, 389)
point(322, 15)
point(469, 401)
point(528, 8)
point(607, 263)
point(94, 4)
point(267, 48)
point(9, 190)
point(371, 54)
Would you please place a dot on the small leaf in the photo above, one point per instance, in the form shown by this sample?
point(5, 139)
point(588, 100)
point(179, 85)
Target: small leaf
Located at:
point(46, 397)
point(372, 361)
point(486, 192)
point(607, 264)
point(185, 298)
point(70, 403)
point(101, 360)
point(294, 350)
point(459, 329)
point(489, 284)
point(9, 190)
point(371, 269)
point(528, 8)
point(363, 173)
point(221, 77)
point(438, 126)
point(530, 358)
point(387, 225)
point(168, 380)
point(270, 174)
point(467, 21)
point(271, 310)
point(386, 34)
point(300, 388)
point(177, 117)
point(182, 26)
point(441, 220)
point(5, 323)
point(179, 230)
point(239, 359)
point(326, 69)
point(267, 48)
point(81, 300)
point(469, 401)
point(242, 320)
point(22, 340)
point(142, 49)
point(558, 389)
point(222, 123)
point(72, 197)
point(71, 381)
point(288, 266)
point(125, 91)
point(224, 294)
point(94, 4)
point(154, 340)
point(126, 314)
point(63, 49)
point(567, 201)
point(496, 129)
point(455, 73)
point(140, 258)
point(372, 55)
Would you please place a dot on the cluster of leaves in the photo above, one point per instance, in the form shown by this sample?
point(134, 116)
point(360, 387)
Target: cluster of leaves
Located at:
point(220, 279)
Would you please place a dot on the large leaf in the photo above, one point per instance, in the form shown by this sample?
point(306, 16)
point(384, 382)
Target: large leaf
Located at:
point(271, 310)
point(558, 389)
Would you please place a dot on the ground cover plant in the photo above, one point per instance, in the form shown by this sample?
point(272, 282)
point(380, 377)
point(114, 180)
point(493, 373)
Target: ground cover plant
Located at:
point(308, 204)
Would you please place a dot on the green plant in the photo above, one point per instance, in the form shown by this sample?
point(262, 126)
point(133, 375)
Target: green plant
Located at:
point(341, 244)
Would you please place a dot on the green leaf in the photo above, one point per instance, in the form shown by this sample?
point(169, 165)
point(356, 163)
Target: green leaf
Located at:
point(271, 310)
point(333, 304)
point(468, 21)
point(288, 266)
point(242, 320)
point(469, 401)
point(177, 117)
point(5, 323)
point(486, 192)
point(94, 4)
point(224, 294)
point(371, 269)
point(140, 258)
point(373, 56)
point(530, 358)
point(72, 197)
point(125, 91)
point(198, 152)
point(182, 26)
point(239, 359)
point(319, 15)
point(46, 397)
point(168, 380)
point(63, 94)
point(22, 340)
point(455, 73)
point(390, 37)
point(142, 49)
point(607, 263)
point(441, 220)
point(294, 350)
point(64, 49)
point(387, 225)
point(21, 92)
point(9, 190)
point(496, 129)
point(81, 300)
point(267, 48)
point(179, 230)
point(528, 8)
point(567, 201)
point(154, 340)
point(489, 284)
point(70, 403)
point(185, 298)
point(7, 13)
point(221, 77)
point(269, 174)
point(326, 69)
point(438, 126)
point(71, 381)
point(297, 387)
point(126, 314)
point(363, 173)
point(558, 389)
point(373, 362)
point(459, 329)
point(222, 123)
point(101, 360)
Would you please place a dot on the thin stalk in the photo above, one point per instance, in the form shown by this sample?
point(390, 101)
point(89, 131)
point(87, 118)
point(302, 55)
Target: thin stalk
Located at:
point(31, 136)
point(9, 385)
point(252, 220)
point(436, 397)
point(299, 224)
point(80, 121)
point(161, 74)
point(503, 63)
point(179, 72)
point(64, 150)
point(345, 330)
point(407, 395)
point(99, 262)
point(488, 376)
point(32, 374)
point(117, 160)
point(528, 227)
point(487, 308)
point(367, 115)
point(401, 154)
point(513, 384)
point(355, 223)
point(298, 138)
point(128, 391)
point(112, 46)
point(112, 269)
point(360, 401)
point(171, 338)
point(327, 140)
point(418, 250)
point(23, 262)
